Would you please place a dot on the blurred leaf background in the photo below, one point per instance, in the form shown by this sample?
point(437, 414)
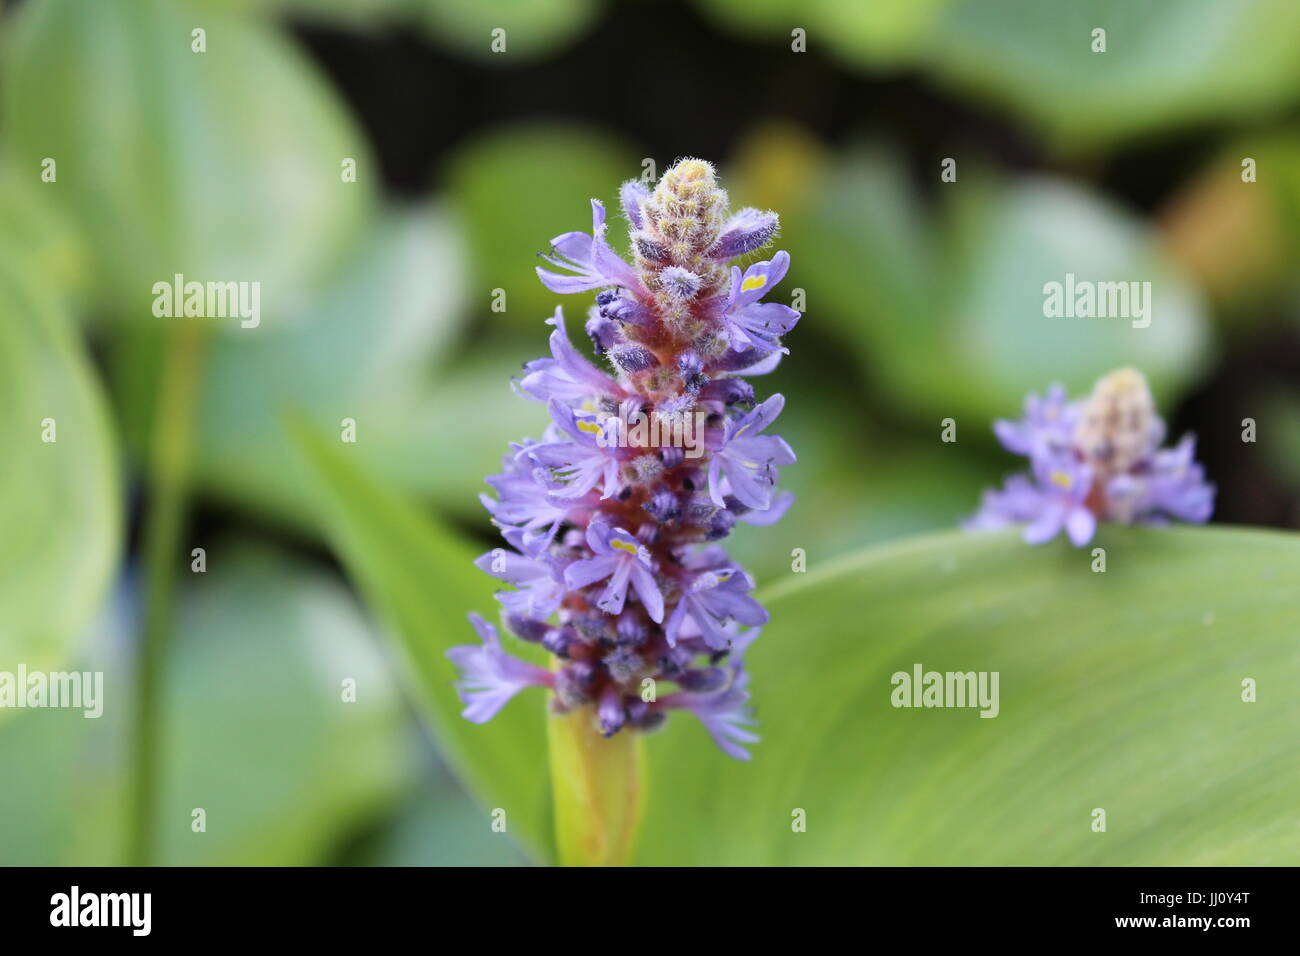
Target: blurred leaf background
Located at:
point(923, 302)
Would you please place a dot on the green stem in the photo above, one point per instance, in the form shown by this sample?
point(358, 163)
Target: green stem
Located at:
point(599, 787)
point(169, 479)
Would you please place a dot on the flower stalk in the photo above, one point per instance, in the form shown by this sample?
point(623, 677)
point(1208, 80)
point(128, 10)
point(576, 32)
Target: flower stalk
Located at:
point(598, 784)
point(169, 481)
point(612, 519)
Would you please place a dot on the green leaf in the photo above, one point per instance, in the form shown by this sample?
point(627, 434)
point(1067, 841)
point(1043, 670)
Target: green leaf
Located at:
point(950, 315)
point(257, 732)
point(222, 165)
point(1167, 63)
point(532, 28)
point(258, 695)
point(60, 498)
point(478, 381)
point(1119, 690)
point(516, 189)
point(863, 34)
point(439, 825)
point(422, 582)
point(363, 14)
point(36, 235)
point(360, 349)
point(1008, 245)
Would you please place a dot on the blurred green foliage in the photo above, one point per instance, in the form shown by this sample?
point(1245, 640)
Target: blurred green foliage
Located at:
point(60, 491)
point(174, 162)
point(1165, 63)
point(257, 736)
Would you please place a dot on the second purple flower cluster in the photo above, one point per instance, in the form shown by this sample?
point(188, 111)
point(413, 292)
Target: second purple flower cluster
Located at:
point(1097, 459)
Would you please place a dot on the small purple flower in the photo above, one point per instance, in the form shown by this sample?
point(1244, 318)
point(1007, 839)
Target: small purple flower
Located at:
point(583, 462)
point(1173, 486)
point(1048, 425)
point(596, 509)
point(566, 375)
point(752, 324)
point(631, 194)
point(525, 503)
point(621, 558)
point(1063, 483)
point(589, 257)
point(748, 459)
point(490, 676)
point(539, 580)
point(725, 715)
point(712, 598)
point(1095, 460)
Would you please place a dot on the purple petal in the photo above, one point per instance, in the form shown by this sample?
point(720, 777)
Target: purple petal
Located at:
point(746, 231)
point(631, 195)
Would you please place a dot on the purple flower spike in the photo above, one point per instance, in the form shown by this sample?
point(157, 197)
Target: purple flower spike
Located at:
point(613, 557)
point(1095, 460)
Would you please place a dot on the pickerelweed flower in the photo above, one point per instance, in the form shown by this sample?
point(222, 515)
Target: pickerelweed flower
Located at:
point(611, 531)
point(1097, 459)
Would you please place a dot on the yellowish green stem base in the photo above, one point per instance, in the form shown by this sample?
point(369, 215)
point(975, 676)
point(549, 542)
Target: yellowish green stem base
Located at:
point(599, 789)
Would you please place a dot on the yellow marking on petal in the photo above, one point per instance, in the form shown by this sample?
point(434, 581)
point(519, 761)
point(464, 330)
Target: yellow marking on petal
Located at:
point(627, 546)
point(740, 431)
point(590, 427)
point(1062, 480)
point(753, 282)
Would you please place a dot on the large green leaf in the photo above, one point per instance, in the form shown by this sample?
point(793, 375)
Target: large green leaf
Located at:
point(532, 28)
point(439, 825)
point(949, 315)
point(423, 583)
point(1119, 690)
point(222, 165)
point(36, 236)
point(1167, 62)
point(361, 349)
point(477, 381)
point(864, 34)
point(519, 187)
point(60, 500)
point(256, 731)
point(314, 759)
